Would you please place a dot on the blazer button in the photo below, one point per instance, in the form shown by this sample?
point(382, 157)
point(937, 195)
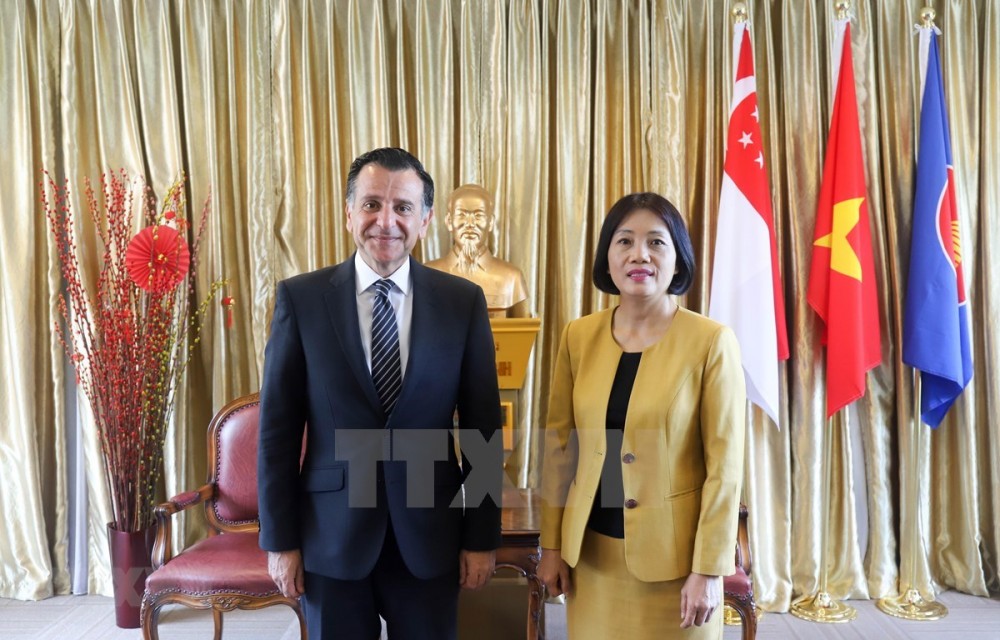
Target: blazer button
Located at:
point(628, 458)
point(631, 503)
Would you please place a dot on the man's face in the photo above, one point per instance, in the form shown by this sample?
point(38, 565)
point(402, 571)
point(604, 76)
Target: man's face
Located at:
point(470, 221)
point(386, 216)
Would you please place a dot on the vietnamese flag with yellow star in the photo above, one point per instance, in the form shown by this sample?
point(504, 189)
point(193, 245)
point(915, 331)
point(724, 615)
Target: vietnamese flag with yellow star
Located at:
point(842, 276)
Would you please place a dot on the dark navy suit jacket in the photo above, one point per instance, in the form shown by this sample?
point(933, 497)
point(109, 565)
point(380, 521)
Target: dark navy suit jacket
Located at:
point(336, 508)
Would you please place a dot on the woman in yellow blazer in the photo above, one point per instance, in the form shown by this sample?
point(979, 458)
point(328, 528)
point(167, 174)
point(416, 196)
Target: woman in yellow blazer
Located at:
point(643, 445)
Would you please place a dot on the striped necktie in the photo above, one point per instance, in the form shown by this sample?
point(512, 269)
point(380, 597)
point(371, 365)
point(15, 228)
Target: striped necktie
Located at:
point(386, 369)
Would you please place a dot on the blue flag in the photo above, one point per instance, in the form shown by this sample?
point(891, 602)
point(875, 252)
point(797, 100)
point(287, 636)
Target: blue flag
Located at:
point(936, 320)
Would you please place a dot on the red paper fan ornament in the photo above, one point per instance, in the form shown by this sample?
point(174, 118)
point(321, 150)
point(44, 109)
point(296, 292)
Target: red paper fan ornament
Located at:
point(157, 258)
point(228, 302)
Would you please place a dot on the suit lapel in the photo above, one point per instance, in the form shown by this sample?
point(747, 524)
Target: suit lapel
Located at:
point(665, 366)
point(421, 327)
point(342, 307)
point(601, 354)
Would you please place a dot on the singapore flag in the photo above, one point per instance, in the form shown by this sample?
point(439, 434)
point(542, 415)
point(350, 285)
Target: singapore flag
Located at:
point(746, 289)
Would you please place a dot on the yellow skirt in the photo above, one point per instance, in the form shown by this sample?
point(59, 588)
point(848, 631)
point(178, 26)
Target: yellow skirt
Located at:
point(609, 603)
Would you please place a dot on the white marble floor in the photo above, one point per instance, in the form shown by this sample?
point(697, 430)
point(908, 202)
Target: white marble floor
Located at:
point(92, 618)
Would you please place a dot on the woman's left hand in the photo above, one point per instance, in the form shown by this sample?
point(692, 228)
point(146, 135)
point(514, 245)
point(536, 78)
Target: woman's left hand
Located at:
point(700, 597)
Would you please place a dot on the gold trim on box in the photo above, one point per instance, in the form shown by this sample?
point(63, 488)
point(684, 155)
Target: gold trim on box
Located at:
point(513, 339)
point(507, 412)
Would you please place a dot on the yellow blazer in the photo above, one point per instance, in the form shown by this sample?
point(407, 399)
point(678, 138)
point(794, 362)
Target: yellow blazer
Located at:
point(684, 429)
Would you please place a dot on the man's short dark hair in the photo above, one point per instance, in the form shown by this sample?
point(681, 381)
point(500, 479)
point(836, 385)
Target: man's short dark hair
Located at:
point(671, 217)
point(393, 159)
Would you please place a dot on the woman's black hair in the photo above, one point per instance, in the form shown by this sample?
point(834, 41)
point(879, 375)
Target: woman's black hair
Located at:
point(671, 217)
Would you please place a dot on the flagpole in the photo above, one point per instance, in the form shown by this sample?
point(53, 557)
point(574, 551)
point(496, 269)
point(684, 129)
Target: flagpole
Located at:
point(821, 607)
point(740, 16)
point(910, 604)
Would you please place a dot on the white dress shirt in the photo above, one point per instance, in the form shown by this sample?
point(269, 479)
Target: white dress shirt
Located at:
point(399, 296)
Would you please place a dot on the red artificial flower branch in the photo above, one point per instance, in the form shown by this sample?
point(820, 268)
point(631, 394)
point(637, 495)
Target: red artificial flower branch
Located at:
point(131, 334)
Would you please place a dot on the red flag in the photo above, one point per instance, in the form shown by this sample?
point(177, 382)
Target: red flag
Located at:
point(842, 278)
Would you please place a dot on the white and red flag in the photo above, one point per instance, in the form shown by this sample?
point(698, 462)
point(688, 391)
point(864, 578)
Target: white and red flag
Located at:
point(746, 285)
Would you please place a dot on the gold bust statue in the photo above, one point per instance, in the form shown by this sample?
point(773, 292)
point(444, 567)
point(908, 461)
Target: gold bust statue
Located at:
point(470, 220)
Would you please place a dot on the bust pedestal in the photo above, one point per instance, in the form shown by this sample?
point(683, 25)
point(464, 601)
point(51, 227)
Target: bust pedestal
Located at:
point(514, 339)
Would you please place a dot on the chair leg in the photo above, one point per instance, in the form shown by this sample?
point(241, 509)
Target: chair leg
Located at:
point(150, 618)
point(750, 626)
point(217, 618)
point(748, 619)
point(303, 633)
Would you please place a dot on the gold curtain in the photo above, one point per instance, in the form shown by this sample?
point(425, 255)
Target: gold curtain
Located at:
point(558, 107)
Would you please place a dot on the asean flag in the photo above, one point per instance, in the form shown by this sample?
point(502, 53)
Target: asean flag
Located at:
point(842, 274)
point(936, 323)
point(746, 286)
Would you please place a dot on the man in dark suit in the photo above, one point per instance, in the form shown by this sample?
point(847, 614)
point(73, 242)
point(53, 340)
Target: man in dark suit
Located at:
point(373, 357)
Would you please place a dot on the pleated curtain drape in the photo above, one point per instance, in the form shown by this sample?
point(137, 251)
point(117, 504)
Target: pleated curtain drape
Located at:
point(558, 107)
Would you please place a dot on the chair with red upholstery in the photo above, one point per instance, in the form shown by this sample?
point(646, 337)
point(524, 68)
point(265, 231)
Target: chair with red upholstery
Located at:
point(738, 588)
point(227, 570)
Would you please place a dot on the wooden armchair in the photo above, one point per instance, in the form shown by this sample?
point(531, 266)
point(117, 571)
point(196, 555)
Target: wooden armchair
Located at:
point(738, 588)
point(227, 570)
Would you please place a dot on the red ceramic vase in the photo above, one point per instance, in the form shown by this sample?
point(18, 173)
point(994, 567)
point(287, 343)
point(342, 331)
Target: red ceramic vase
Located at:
point(131, 563)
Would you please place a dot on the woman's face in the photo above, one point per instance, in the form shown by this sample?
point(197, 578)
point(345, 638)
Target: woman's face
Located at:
point(642, 258)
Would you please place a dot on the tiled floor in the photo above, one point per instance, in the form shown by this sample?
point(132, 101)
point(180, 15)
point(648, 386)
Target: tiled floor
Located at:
point(92, 618)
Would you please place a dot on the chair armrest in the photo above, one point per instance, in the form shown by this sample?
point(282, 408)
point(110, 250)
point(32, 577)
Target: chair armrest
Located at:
point(743, 558)
point(162, 551)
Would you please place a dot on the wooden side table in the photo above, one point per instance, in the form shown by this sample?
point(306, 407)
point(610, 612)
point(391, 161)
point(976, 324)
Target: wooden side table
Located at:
point(520, 524)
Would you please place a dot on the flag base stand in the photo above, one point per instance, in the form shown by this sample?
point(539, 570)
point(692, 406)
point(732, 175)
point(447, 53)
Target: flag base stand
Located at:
point(820, 606)
point(912, 606)
point(823, 608)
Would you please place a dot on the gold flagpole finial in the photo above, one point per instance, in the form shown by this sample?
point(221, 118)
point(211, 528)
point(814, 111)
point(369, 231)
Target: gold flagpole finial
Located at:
point(739, 12)
point(927, 15)
point(843, 9)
